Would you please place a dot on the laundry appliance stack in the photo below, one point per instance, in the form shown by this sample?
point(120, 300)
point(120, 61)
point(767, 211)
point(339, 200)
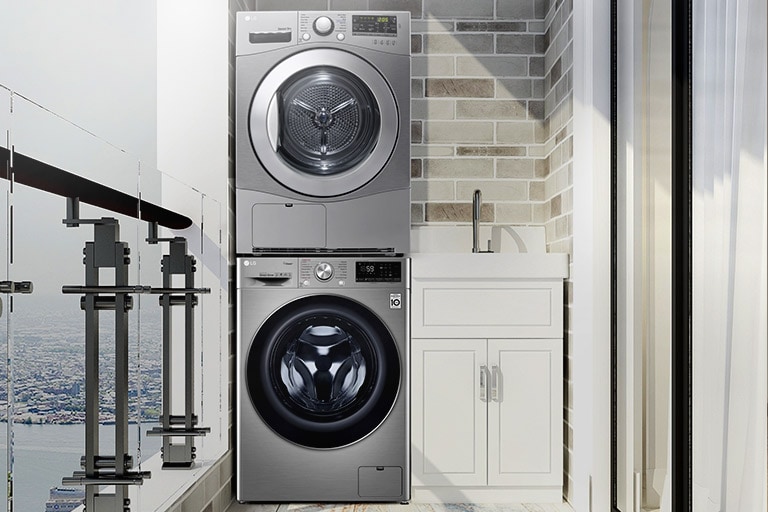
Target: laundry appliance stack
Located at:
point(322, 140)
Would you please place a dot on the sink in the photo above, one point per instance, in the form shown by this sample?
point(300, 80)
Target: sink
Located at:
point(444, 252)
point(489, 266)
point(451, 238)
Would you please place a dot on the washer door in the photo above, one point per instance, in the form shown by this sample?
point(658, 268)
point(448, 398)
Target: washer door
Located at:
point(323, 122)
point(323, 371)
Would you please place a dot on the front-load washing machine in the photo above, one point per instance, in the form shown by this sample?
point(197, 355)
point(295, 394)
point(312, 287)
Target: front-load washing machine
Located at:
point(322, 132)
point(322, 379)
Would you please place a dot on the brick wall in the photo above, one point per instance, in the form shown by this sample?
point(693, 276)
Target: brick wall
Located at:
point(478, 119)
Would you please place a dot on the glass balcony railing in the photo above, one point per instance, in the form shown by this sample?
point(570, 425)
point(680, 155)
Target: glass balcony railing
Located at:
point(46, 162)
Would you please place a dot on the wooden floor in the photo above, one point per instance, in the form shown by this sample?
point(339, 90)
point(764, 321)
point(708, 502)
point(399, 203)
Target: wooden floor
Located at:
point(412, 507)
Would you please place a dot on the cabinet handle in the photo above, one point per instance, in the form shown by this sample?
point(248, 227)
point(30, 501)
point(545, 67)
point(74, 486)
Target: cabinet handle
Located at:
point(497, 385)
point(484, 377)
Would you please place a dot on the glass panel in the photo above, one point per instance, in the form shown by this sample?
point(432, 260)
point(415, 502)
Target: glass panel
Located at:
point(181, 198)
point(644, 256)
point(147, 392)
point(212, 270)
point(47, 342)
point(656, 257)
point(330, 121)
point(45, 351)
point(209, 356)
point(656, 207)
point(45, 136)
point(6, 409)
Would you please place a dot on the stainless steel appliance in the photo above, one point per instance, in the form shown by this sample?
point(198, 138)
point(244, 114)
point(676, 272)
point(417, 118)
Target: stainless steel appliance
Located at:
point(322, 379)
point(322, 132)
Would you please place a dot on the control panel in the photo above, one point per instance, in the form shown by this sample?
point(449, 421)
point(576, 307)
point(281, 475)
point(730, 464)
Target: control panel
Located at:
point(268, 30)
point(374, 24)
point(384, 31)
point(324, 273)
point(349, 273)
point(378, 271)
point(320, 272)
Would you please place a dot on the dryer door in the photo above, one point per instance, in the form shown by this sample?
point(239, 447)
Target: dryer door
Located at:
point(323, 122)
point(323, 371)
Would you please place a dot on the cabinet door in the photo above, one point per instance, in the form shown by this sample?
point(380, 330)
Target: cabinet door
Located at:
point(525, 431)
point(449, 414)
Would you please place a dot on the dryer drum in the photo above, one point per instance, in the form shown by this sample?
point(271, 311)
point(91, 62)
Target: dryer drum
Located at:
point(330, 120)
point(323, 371)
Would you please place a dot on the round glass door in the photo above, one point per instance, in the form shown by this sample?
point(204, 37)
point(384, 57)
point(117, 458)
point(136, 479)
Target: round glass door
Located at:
point(323, 372)
point(323, 122)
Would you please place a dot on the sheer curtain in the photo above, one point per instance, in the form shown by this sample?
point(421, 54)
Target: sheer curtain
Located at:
point(729, 255)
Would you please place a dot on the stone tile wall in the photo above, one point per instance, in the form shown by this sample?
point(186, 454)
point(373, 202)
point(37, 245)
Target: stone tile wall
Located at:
point(478, 119)
point(558, 110)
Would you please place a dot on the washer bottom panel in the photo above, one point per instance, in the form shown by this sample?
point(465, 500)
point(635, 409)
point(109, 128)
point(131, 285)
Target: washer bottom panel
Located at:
point(270, 469)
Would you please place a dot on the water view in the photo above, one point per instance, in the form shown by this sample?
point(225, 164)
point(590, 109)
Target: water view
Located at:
point(49, 393)
point(46, 453)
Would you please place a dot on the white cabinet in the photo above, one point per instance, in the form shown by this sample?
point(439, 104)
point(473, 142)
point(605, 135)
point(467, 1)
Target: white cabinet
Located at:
point(525, 413)
point(487, 389)
point(487, 413)
point(449, 415)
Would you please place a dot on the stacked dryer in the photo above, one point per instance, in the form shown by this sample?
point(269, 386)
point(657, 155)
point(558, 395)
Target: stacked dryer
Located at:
point(322, 139)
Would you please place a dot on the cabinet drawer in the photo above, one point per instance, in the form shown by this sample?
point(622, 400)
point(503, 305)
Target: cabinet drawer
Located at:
point(502, 309)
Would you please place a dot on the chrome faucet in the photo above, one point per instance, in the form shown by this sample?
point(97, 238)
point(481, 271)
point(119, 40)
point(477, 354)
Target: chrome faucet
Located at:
point(477, 199)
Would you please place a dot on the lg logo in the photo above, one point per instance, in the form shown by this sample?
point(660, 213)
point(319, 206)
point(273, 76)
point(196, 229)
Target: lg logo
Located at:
point(395, 301)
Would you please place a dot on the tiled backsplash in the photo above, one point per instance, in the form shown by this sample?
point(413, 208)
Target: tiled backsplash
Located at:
point(558, 110)
point(478, 111)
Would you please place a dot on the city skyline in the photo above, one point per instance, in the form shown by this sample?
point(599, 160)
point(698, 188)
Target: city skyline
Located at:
point(49, 368)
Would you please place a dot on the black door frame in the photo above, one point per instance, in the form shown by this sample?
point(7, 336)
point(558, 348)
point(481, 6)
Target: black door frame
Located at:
point(354, 422)
point(681, 477)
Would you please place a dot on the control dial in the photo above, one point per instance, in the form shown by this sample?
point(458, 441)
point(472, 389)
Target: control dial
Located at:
point(323, 271)
point(323, 26)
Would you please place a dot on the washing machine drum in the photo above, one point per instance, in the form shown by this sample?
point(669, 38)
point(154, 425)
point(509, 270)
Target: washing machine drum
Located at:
point(323, 372)
point(323, 369)
point(323, 122)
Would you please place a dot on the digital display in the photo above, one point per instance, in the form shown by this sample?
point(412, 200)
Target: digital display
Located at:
point(374, 25)
point(378, 271)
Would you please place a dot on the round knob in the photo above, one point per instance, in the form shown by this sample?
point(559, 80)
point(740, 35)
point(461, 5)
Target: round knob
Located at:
point(323, 271)
point(323, 26)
